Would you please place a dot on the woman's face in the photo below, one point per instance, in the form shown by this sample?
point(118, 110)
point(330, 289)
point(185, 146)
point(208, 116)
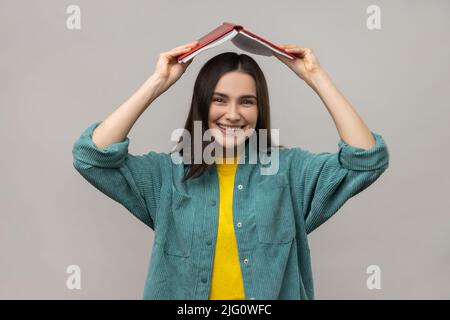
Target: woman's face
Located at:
point(233, 110)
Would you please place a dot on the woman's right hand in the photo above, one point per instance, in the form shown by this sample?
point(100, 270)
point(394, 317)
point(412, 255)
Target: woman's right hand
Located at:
point(167, 69)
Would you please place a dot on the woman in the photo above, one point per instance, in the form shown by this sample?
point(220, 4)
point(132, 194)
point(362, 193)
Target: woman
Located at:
point(227, 230)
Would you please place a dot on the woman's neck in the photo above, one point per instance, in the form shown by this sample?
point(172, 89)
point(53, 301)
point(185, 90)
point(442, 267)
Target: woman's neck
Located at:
point(228, 156)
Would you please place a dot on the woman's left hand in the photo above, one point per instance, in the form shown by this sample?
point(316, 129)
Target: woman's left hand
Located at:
point(304, 66)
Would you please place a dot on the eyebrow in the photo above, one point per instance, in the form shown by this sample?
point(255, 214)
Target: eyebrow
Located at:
point(226, 96)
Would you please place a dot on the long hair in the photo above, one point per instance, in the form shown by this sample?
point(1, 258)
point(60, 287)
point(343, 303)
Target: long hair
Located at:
point(207, 79)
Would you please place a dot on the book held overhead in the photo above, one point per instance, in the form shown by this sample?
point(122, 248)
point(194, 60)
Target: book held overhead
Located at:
point(240, 37)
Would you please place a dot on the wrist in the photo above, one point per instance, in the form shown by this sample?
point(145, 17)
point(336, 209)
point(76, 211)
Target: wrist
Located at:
point(155, 86)
point(156, 81)
point(316, 78)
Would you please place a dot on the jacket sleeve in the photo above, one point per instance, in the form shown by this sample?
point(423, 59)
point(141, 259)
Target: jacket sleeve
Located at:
point(325, 181)
point(132, 180)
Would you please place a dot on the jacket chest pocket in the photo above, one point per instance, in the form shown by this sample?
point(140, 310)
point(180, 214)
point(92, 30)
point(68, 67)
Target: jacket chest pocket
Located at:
point(274, 213)
point(180, 228)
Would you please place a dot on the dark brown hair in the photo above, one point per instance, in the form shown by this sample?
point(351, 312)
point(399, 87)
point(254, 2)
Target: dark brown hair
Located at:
point(207, 79)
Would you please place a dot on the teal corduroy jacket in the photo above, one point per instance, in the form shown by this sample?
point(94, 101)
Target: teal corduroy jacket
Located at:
point(272, 214)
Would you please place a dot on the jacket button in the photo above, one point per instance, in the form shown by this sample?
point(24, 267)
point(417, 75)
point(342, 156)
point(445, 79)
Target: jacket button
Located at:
point(204, 279)
point(209, 242)
point(240, 187)
point(213, 202)
point(239, 224)
point(245, 261)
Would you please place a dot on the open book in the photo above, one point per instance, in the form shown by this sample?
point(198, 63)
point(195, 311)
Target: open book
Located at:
point(241, 38)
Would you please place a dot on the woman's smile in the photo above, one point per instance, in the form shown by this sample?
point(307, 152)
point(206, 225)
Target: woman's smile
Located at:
point(230, 130)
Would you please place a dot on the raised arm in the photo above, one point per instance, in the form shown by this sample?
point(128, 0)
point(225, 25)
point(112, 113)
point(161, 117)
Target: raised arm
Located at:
point(119, 123)
point(324, 181)
point(101, 155)
point(350, 126)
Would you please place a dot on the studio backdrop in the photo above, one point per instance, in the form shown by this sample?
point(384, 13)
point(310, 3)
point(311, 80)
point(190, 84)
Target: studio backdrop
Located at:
point(67, 64)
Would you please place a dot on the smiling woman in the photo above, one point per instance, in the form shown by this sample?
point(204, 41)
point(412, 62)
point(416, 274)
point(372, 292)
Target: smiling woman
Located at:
point(233, 115)
point(229, 230)
point(231, 99)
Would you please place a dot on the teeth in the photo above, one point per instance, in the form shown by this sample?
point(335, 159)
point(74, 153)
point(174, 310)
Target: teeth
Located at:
point(231, 130)
point(227, 127)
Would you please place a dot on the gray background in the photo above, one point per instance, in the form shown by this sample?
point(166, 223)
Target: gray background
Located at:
point(55, 82)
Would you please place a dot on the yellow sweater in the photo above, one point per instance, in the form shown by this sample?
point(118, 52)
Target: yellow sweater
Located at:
point(226, 283)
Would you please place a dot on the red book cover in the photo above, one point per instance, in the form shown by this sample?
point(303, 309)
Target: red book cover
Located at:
point(240, 37)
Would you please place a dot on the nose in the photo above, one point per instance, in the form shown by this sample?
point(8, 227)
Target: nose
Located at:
point(233, 113)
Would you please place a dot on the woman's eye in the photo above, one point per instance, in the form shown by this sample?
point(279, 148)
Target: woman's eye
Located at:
point(244, 101)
